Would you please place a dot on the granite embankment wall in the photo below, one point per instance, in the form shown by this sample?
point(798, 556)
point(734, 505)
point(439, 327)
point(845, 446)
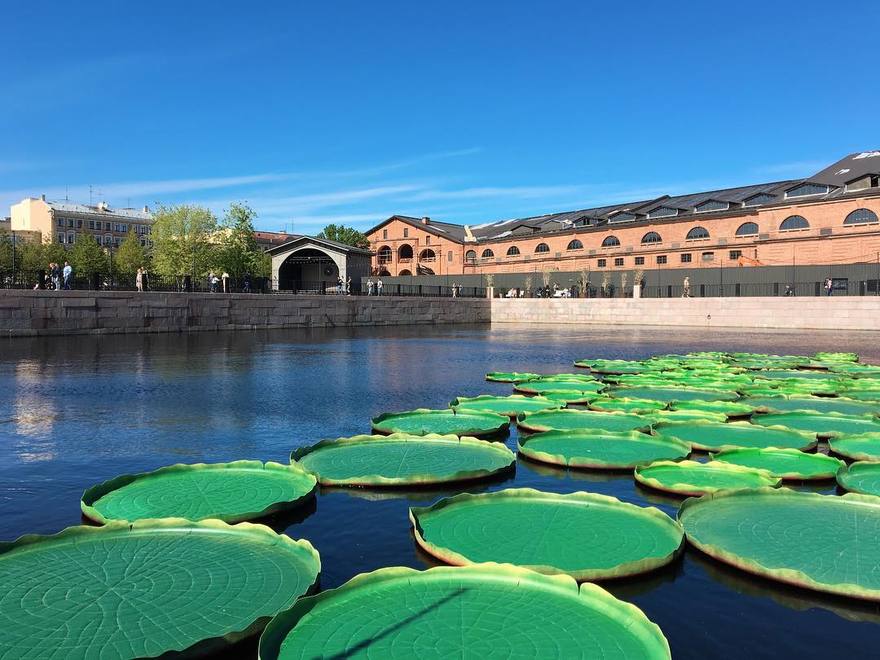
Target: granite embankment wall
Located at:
point(819, 313)
point(36, 313)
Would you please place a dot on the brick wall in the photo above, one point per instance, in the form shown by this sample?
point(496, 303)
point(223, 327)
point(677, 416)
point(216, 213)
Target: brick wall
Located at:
point(35, 313)
point(841, 313)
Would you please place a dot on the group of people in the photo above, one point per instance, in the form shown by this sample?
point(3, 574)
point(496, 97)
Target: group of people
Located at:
point(374, 286)
point(57, 277)
point(214, 282)
point(343, 286)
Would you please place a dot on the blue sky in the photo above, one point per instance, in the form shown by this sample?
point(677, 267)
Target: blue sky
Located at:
point(463, 111)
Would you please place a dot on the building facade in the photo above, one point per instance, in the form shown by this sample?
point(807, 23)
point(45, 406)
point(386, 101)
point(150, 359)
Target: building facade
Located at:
point(827, 219)
point(62, 222)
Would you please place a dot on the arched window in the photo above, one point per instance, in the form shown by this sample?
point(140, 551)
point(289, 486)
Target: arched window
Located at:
point(861, 217)
point(470, 256)
point(651, 237)
point(747, 229)
point(405, 251)
point(575, 245)
point(793, 222)
point(512, 251)
point(384, 254)
point(488, 253)
point(610, 241)
point(427, 255)
point(697, 233)
point(404, 273)
point(542, 247)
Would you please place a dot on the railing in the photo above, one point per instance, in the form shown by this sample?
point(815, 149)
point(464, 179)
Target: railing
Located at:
point(40, 280)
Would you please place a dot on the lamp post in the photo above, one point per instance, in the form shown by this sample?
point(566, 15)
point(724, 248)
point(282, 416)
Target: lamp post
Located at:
point(13, 257)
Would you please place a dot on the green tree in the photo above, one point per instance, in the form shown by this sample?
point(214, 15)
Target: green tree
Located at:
point(237, 249)
point(87, 257)
point(131, 255)
point(50, 251)
point(346, 235)
point(6, 253)
point(182, 240)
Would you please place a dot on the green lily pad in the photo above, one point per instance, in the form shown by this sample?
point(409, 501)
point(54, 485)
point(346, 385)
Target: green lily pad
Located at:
point(569, 396)
point(612, 366)
point(602, 451)
point(783, 463)
point(504, 405)
point(402, 460)
point(857, 447)
point(580, 420)
point(827, 425)
point(862, 395)
point(423, 421)
point(816, 404)
point(543, 385)
point(141, 589)
point(862, 477)
point(476, 611)
point(636, 406)
point(712, 436)
point(799, 374)
point(727, 408)
point(822, 542)
point(232, 492)
point(510, 376)
point(584, 535)
point(686, 416)
point(671, 394)
point(693, 478)
point(826, 356)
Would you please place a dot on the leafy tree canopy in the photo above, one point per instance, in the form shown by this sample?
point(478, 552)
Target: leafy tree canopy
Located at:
point(183, 240)
point(346, 235)
point(87, 257)
point(131, 255)
point(237, 250)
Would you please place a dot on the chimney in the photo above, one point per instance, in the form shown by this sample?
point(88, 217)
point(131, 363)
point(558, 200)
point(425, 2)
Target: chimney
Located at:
point(146, 209)
point(43, 197)
point(426, 220)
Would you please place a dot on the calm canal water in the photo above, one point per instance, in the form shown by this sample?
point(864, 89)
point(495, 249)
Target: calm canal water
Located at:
point(75, 411)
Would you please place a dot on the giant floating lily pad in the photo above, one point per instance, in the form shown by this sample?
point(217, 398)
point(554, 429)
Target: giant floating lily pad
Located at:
point(580, 420)
point(816, 404)
point(693, 478)
point(476, 611)
point(141, 589)
point(821, 542)
point(827, 356)
point(857, 447)
point(670, 394)
point(570, 397)
point(602, 451)
point(544, 385)
point(861, 478)
point(872, 395)
point(827, 425)
point(783, 463)
point(584, 535)
point(510, 376)
point(727, 408)
point(511, 405)
point(423, 421)
point(612, 366)
point(403, 460)
point(659, 416)
point(712, 436)
point(636, 406)
point(241, 490)
point(800, 374)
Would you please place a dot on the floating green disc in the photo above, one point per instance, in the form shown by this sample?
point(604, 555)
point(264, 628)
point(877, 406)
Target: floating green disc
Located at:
point(783, 463)
point(612, 366)
point(241, 490)
point(827, 425)
point(561, 384)
point(825, 356)
point(821, 542)
point(686, 416)
point(669, 394)
point(857, 447)
point(476, 611)
point(727, 408)
point(510, 376)
point(861, 478)
point(402, 460)
point(141, 589)
point(423, 421)
point(862, 395)
point(581, 420)
point(693, 478)
point(637, 406)
point(569, 396)
point(585, 535)
point(817, 404)
point(511, 405)
point(799, 374)
point(602, 451)
point(712, 436)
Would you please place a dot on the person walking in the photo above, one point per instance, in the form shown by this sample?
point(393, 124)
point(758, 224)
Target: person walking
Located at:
point(348, 286)
point(213, 281)
point(454, 290)
point(225, 279)
point(829, 286)
point(67, 274)
point(55, 270)
point(370, 287)
point(139, 280)
point(340, 284)
point(247, 282)
point(379, 286)
point(686, 288)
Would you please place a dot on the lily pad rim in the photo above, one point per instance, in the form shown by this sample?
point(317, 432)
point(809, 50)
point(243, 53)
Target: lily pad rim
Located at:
point(785, 476)
point(501, 427)
point(580, 462)
point(687, 489)
point(846, 471)
point(811, 441)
